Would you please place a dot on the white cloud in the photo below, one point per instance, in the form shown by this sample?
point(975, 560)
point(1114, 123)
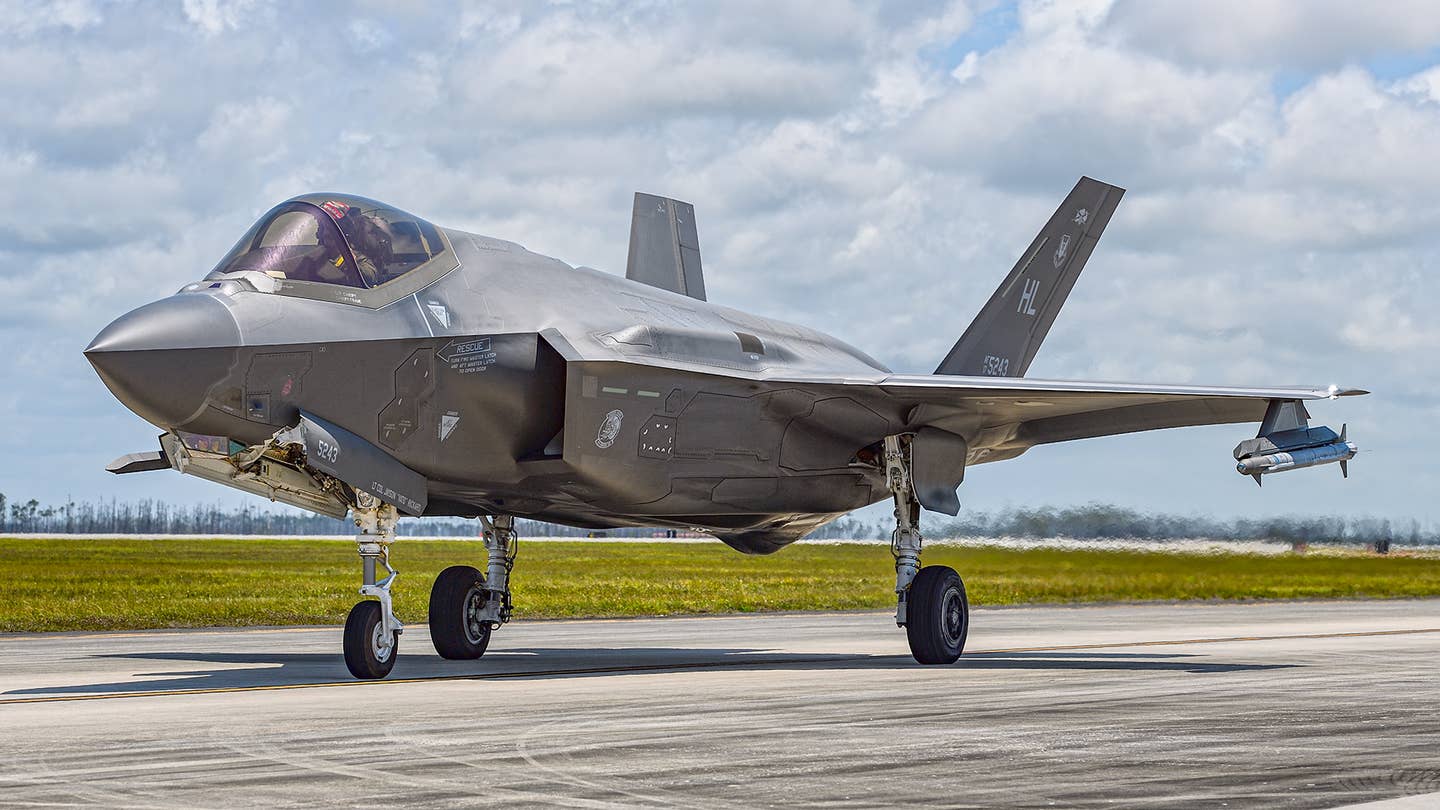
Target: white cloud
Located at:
point(1057, 102)
point(569, 71)
point(1346, 131)
point(214, 17)
point(27, 17)
point(1313, 34)
point(256, 130)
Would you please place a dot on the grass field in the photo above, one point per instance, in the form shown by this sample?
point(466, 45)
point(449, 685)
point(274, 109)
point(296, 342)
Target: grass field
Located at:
point(129, 584)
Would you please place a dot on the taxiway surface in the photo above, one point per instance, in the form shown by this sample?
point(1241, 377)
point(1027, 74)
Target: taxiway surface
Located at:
point(1262, 705)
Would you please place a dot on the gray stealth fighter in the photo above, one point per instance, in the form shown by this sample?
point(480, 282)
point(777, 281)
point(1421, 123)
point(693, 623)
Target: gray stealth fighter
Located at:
point(350, 358)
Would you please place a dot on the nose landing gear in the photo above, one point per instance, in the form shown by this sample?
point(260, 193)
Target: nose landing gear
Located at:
point(930, 602)
point(372, 632)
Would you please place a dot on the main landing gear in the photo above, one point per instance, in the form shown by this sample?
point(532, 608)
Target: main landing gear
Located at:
point(930, 602)
point(465, 605)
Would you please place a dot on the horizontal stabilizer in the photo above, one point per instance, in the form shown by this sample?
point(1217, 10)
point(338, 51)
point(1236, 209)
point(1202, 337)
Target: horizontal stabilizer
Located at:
point(665, 246)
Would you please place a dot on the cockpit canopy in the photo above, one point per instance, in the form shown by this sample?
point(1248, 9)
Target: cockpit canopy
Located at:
point(334, 239)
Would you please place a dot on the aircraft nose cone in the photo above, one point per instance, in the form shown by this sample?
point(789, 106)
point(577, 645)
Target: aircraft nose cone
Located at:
point(185, 321)
point(161, 360)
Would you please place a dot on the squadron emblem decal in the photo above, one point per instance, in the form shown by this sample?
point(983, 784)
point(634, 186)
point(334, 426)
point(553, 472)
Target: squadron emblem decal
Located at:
point(609, 429)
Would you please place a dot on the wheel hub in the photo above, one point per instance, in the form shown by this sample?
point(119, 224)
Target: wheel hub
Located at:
point(382, 643)
point(952, 616)
point(475, 627)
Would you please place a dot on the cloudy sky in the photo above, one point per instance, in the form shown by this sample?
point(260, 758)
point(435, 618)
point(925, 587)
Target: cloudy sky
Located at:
point(870, 169)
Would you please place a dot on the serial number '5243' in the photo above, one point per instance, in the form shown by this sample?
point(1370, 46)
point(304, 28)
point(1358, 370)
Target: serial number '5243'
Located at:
point(993, 366)
point(327, 451)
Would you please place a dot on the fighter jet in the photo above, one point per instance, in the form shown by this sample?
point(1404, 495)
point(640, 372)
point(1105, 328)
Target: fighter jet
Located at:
point(352, 359)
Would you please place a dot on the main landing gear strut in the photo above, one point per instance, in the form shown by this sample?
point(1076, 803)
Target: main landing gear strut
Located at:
point(930, 602)
point(465, 605)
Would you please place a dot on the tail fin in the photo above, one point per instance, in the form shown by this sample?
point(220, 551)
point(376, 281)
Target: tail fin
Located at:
point(665, 246)
point(1004, 337)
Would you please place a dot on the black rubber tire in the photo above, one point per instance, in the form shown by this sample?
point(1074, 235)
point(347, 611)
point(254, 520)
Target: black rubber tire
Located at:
point(453, 599)
point(362, 657)
point(937, 615)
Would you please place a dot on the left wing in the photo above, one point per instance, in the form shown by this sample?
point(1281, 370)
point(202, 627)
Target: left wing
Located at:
point(1015, 414)
point(957, 421)
point(1060, 410)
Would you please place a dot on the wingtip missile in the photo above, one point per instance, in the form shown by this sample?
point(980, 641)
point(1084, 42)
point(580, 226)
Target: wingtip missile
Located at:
point(1293, 450)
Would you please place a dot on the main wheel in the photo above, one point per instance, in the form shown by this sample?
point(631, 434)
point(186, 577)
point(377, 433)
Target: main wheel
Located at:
point(456, 599)
point(937, 615)
point(369, 650)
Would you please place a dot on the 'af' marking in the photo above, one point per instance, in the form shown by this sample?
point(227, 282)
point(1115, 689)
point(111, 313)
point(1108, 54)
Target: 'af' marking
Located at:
point(1027, 298)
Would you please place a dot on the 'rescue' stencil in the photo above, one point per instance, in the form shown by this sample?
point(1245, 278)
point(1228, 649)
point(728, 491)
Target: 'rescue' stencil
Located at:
point(609, 429)
point(468, 355)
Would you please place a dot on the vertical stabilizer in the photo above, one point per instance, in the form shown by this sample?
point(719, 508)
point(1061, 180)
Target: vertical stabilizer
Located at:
point(1004, 337)
point(665, 246)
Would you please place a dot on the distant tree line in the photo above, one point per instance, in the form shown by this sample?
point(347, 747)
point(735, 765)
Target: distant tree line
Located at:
point(1093, 521)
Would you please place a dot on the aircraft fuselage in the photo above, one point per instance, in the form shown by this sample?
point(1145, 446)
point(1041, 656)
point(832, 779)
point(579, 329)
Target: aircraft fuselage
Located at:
point(514, 382)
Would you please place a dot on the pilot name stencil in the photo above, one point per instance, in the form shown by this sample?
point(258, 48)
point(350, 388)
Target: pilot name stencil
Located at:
point(468, 355)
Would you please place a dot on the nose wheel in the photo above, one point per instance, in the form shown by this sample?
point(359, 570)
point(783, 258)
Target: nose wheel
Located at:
point(372, 632)
point(369, 649)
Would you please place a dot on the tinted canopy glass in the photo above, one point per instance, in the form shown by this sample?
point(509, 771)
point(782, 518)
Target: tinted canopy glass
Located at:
point(335, 239)
point(387, 243)
point(296, 241)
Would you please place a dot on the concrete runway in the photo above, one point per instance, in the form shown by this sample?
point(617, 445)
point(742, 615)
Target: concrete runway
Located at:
point(1275, 705)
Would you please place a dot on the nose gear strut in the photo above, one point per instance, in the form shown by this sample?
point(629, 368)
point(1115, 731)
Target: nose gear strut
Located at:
point(372, 631)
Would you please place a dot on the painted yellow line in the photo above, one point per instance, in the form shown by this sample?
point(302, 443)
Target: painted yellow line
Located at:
point(620, 670)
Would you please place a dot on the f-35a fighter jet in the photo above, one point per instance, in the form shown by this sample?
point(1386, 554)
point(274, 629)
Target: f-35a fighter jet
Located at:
point(346, 357)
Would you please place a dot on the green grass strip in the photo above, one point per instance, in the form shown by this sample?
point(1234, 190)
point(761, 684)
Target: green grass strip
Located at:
point(126, 584)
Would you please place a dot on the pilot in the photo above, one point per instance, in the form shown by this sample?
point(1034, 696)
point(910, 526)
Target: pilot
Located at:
point(328, 264)
point(369, 242)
